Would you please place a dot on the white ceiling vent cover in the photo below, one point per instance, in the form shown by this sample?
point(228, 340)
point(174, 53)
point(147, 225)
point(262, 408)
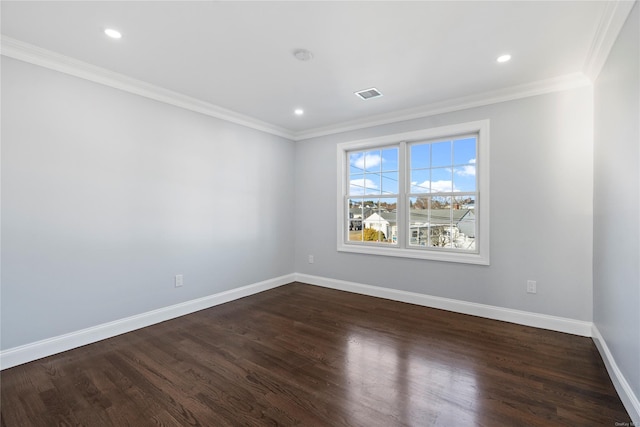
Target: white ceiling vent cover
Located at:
point(369, 93)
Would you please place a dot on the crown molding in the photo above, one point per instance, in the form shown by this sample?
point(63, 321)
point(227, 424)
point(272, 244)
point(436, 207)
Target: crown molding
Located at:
point(26, 52)
point(541, 87)
point(615, 15)
point(45, 58)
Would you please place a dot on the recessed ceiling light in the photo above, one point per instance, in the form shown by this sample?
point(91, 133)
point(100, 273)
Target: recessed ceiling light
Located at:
point(303, 54)
point(298, 111)
point(114, 34)
point(504, 58)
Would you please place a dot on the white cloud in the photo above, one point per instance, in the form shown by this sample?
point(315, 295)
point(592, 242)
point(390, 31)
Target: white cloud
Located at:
point(371, 160)
point(357, 186)
point(467, 170)
point(442, 186)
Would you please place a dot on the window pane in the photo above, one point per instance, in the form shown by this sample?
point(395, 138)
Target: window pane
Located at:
point(464, 220)
point(464, 151)
point(441, 181)
point(356, 184)
point(355, 231)
point(382, 224)
point(465, 202)
point(440, 224)
point(365, 161)
point(388, 204)
point(420, 156)
point(355, 209)
point(390, 159)
point(372, 161)
point(356, 163)
point(441, 154)
point(355, 220)
point(419, 203)
point(440, 202)
point(421, 181)
point(365, 172)
point(390, 183)
point(372, 183)
point(464, 178)
point(418, 221)
point(433, 222)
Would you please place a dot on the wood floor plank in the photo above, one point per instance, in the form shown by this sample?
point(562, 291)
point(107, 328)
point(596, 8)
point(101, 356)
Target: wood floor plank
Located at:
point(301, 355)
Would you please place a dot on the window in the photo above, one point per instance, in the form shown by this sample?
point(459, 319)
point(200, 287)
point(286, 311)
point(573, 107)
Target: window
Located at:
point(373, 196)
point(421, 194)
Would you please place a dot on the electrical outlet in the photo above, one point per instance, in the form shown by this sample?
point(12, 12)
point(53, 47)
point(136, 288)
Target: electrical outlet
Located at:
point(179, 281)
point(531, 287)
point(311, 260)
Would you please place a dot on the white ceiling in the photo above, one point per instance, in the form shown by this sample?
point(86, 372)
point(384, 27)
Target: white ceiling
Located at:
point(239, 55)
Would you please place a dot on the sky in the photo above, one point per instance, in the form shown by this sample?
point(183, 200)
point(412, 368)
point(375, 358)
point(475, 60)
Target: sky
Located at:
point(443, 166)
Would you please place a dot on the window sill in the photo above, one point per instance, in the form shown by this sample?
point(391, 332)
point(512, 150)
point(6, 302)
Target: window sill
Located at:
point(444, 256)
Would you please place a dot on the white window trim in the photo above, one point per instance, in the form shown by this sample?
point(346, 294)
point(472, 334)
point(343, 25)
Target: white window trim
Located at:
point(402, 249)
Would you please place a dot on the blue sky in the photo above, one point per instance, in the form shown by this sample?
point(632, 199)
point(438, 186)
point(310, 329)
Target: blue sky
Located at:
point(435, 167)
point(374, 172)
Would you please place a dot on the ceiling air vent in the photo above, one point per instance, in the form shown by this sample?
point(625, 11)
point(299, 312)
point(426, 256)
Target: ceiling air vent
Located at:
point(369, 93)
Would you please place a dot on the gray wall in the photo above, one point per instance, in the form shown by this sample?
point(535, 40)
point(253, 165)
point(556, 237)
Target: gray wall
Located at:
point(616, 266)
point(107, 195)
point(541, 211)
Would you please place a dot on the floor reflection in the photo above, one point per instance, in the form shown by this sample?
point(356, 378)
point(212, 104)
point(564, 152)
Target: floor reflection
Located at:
point(408, 380)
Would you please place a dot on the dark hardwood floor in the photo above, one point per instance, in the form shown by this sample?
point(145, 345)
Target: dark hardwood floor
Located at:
point(309, 356)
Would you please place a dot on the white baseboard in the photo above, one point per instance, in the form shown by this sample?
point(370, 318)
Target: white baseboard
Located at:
point(47, 347)
point(37, 350)
point(543, 321)
point(628, 397)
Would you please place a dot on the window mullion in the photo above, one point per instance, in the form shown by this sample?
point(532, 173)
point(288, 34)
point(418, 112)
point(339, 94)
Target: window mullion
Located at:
point(402, 211)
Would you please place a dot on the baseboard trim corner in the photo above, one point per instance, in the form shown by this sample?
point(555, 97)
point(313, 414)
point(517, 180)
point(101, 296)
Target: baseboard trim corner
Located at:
point(542, 321)
point(628, 397)
point(50, 346)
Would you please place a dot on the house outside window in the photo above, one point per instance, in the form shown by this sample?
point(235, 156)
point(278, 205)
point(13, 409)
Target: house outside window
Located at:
point(422, 194)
